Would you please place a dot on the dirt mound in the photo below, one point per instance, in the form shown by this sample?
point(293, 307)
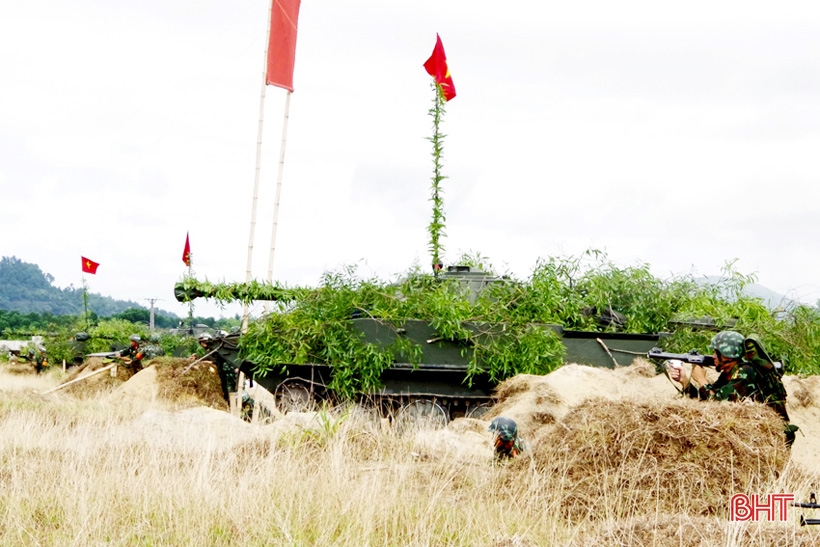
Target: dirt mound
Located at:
point(464, 440)
point(165, 378)
point(15, 367)
point(534, 401)
point(141, 387)
point(198, 385)
point(683, 454)
point(196, 427)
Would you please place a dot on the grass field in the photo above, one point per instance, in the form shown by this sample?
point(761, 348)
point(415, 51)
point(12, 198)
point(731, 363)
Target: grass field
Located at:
point(93, 470)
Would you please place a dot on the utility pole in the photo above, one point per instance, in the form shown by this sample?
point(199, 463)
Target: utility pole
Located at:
point(151, 315)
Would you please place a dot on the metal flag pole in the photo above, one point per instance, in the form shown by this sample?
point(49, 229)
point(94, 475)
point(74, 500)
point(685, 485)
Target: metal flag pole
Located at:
point(278, 192)
point(258, 169)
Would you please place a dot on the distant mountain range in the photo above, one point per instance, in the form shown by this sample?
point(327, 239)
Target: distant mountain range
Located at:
point(771, 299)
point(25, 288)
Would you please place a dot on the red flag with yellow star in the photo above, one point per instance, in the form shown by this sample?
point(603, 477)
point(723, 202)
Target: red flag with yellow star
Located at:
point(186, 252)
point(436, 66)
point(89, 266)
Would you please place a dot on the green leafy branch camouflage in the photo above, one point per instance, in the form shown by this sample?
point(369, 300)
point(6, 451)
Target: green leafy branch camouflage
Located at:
point(505, 330)
point(436, 226)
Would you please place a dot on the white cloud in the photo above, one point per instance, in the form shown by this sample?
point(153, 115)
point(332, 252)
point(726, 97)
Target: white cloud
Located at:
point(681, 136)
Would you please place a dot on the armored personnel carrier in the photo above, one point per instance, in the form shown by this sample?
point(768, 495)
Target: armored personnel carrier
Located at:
point(431, 375)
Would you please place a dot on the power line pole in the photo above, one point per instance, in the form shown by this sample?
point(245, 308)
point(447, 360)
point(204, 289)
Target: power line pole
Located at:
point(151, 315)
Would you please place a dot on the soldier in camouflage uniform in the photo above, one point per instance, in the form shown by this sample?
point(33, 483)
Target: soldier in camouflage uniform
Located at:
point(152, 348)
point(506, 441)
point(133, 355)
point(741, 376)
point(41, 360)
point(228, 371)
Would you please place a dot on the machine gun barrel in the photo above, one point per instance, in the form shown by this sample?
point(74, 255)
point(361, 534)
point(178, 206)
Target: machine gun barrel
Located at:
point(694, 357)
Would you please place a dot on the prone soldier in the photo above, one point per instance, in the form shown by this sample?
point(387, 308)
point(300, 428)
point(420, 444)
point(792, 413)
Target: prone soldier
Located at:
point(506, 441)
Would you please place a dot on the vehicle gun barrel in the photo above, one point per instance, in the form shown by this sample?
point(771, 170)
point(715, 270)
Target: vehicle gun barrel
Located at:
point(244, 292)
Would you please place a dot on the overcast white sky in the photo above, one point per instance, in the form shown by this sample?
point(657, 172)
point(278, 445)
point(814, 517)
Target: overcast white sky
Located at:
point(682, 136)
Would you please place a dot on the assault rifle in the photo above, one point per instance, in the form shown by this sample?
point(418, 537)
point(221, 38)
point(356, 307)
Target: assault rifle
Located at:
point(693, 357)
point(812, 504)
point(104, 354)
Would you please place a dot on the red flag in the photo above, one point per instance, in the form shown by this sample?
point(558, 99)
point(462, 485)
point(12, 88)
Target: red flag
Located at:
point(89, 266)
point(186, 252)
point(284, 19)
point(436, 66)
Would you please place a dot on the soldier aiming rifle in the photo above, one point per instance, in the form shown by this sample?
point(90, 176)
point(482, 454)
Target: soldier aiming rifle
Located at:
point(745, 372)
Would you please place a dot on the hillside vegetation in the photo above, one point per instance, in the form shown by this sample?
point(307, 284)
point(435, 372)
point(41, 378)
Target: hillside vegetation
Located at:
point(25, 288)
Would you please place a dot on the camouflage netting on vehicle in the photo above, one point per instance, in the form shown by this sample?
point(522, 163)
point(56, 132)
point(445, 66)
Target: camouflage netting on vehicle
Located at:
point(614, 459)
point(313, 325)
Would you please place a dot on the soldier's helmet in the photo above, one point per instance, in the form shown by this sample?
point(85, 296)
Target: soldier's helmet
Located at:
point(135, 338)
point(205, 337)
point(728, 343)
point(504, 428)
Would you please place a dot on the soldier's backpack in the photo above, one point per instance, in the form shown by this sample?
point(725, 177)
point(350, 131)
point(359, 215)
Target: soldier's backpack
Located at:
point(769, 373)
point(770, 380)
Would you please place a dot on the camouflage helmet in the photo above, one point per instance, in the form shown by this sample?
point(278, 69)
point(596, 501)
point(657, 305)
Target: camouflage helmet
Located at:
point(728, 343)
point(154, 338)
point(504, 428)
point(205, 336)
point(135, 338)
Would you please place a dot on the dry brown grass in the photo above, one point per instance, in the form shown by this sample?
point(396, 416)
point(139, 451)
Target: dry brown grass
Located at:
point(90, 469)
point(614, 459)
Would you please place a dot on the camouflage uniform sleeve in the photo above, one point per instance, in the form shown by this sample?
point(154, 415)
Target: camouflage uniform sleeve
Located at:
point(719, 390)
